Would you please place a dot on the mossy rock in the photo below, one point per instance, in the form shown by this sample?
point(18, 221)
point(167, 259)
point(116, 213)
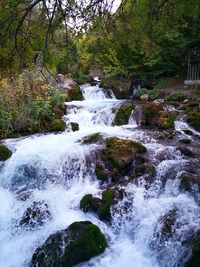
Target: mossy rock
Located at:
point(92, 138)
point(194, 260)
point(5, 153)
point(194, 119)
point(78, 243)
point(100, 172)
point(100, 206)
point(57, 125)
point(188, 181)
point(123, 114)
point(185, 141)
point(74, 93)
point(74, 126)
point(120, 152)
point(114, 162)
point(154, 115)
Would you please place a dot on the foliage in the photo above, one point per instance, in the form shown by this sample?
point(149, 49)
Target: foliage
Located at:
point(177, 96)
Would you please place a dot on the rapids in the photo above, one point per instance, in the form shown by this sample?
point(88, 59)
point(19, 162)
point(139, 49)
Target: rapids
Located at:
point(59, 170)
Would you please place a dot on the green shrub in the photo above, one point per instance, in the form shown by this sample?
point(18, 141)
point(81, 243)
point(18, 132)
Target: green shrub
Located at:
point(177, 96)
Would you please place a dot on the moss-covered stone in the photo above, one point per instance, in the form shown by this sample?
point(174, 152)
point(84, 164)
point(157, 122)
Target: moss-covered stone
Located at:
point(194, 119)
point(57, 125)
point(79, 242)
point(75, 126)
point(92, 138)
point(100, 206)
point(154, 115)
point(100, 172)
point(123, 114)
point(185, 141)
point(194, 260)
point(188, 181)
point(115, 160)
point(5, 153)
point(75, 93)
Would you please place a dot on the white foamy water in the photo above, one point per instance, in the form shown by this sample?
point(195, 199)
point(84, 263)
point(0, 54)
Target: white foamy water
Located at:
point(59, 170)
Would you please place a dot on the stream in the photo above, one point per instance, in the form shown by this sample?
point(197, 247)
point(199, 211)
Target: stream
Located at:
point(58, 169)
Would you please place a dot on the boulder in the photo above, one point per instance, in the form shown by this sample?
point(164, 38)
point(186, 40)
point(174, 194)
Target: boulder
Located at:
point(116, 159)
point(74, 126)
point(123, 114)
point(5, 153)
point(188, 182)
point(144, 97)
point(194, 119)
point(155, 115)
point(78, 243)
point(57, 125)
point(92, 138)
point(71, 88)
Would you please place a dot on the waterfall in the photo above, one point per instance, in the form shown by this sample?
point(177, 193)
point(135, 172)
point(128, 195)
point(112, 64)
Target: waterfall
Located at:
point(58, 170)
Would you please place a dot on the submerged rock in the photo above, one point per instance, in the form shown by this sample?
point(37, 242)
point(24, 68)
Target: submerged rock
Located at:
point(79, 242)
point(36, 215)
point(92, 138)
point(123, 114)
point(5, 153)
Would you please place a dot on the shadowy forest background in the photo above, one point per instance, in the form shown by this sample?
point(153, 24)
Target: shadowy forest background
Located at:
point(141, 39)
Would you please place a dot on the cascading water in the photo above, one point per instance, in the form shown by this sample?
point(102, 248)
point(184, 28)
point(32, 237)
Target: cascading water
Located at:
point(57, 169)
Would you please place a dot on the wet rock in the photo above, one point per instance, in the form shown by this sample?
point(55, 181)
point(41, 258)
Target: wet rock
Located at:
point(100, 206)
point(159, 101)
point(92, 138)
point(78, 243)
point(5, 153)
point(116, 159)
point(154, 115)
point(123, 114)
point(74, 126)
point(145, 168)
point(189, 181)
point(187, 152)
point(194, 257)
point(194, 119)
point(185, 141)
point(36, 215)
point(188, 132)
point(57, 125)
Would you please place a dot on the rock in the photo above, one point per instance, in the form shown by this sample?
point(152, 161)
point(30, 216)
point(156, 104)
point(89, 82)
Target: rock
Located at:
point(145, 168)
point(71, 88)
point(186, 101)
point(92, 138)
point(123, 114)
point(74, 126)
point(78, 243)
point(5, 153)
point(159, 101)
point(57, 125)
point(194, 119)
point(188, 181)
point(100, 206)
point(144, 97)
point(116, 159)
point(194, 259)
point(36, 215)
point(154, 115)
point(185, 141)
point(188, 132)
point(187, 152)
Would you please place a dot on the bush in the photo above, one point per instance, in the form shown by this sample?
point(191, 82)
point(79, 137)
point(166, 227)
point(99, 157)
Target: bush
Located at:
point(153, 94)
point(177, 96)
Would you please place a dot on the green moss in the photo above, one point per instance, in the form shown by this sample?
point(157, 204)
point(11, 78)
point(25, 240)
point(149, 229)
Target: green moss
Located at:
point(86, 203)
point(57, 125)
point(194, 119)
point(100, 172)
point(92, 138)
point(123, 114)
point(75, 126)
point(5, 153)
point(108, 196)
point(194, 260)
point(78, 243)
point(75, 93)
